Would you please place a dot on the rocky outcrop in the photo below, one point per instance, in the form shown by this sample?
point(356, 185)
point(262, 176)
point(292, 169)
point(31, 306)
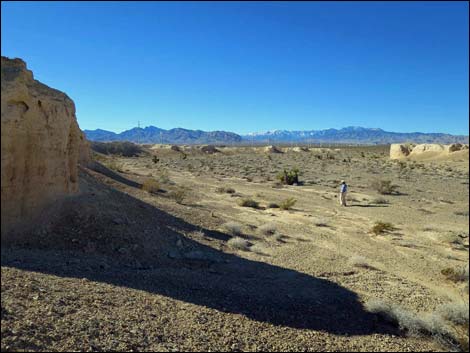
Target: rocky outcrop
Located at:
point(400, 151)
point(41, 145)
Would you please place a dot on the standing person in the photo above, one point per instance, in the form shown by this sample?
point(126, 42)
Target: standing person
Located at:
point(343, 192)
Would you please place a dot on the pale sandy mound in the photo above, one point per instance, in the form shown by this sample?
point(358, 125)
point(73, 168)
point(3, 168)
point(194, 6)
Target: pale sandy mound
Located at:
point(429, 151)
point(300, 149)
point(272, 149)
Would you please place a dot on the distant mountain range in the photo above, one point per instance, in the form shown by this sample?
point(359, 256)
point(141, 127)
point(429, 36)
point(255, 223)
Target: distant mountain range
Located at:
point(152, 134)
point(352, 134)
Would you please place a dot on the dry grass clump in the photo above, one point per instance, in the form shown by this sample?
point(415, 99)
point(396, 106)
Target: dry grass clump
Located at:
point(458, 313)
point(247, 202)
point(151, 186)
point(359, 261)
point(380, 201)
point(382, 227)
point(458, 274)
point(461, 213)
point(268, 229)
point(287, 203)
point(239, 244)
point(114, 165)
point(224, 190)
point(179, 195)
point(431, 324)
point(384, 187)
point(233, 228)
point(273, 205)
point(321, 223)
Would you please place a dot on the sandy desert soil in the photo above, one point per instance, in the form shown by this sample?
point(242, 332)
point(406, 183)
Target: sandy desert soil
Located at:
point(121, 268)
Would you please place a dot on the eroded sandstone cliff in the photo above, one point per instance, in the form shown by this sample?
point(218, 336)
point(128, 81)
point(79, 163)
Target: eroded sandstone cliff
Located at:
point(41, 145)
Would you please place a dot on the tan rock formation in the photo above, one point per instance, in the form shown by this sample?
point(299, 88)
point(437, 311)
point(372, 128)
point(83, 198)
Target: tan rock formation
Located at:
point(398, 151)
point(41, 145)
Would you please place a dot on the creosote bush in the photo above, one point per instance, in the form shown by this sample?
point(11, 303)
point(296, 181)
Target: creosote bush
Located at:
point(384, 187)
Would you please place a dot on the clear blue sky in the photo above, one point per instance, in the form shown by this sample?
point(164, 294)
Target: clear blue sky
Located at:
point(242, 67)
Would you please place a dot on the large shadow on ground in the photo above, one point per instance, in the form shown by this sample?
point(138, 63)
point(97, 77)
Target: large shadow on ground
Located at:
point(205, 276)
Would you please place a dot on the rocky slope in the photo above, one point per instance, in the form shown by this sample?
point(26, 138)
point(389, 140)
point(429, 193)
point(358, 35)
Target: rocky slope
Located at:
point(41, 145)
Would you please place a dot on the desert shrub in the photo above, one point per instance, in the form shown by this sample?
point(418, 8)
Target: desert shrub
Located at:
point(380, 201)
point(233, 228)
point(125, 149)
point(287, 203)
point(359, 261)
point(382, 227)
point(384, 187)
point(114, 165)
point(455, 312)
point(458, 274)
point(151, 185)
point(239, 244)
point(179, 195)
point(222, 190)
point(246, 202)
point(273, 205)
point(268, 229)
point(289, 177)
point(155, 159)
point(430, 324)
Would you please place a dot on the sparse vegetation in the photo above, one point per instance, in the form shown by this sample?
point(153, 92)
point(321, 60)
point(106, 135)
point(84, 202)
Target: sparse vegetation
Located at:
point(384, 187)
point(239, 244)
point(268, 229)
point(382, 227)
point(380, 201)
point(151, 186)
point(273, 205)
point(125, 149)
point(247, 202)
point(179, 194)
point(289, 177)
point(458, 274)
point(233, 228)
point(222, 190)
point(287, 203)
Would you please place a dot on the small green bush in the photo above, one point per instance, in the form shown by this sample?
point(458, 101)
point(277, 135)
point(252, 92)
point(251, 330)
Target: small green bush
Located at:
point(289, 177)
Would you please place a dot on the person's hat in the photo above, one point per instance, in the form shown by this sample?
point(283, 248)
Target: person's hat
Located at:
point(342, 181)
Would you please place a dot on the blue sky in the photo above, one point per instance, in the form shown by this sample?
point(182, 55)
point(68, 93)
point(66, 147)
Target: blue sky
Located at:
point(250, 66)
